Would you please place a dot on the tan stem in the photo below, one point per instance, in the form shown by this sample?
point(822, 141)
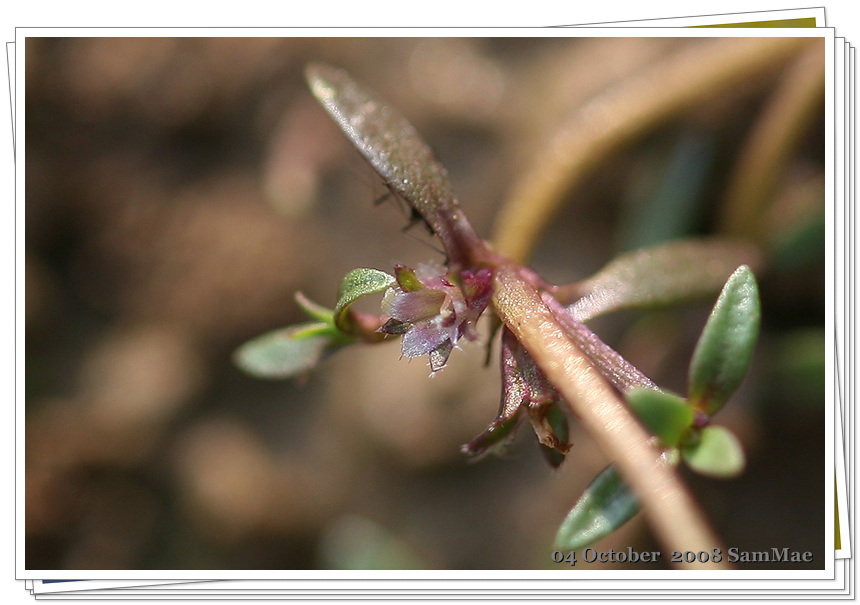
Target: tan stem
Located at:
point(674, 516)
point(764, 157)
point(622, 114)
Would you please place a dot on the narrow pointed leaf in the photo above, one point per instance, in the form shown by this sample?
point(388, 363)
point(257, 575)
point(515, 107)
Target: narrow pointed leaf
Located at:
point(397, 152)
point(514, 399)
point(661, 275)
point(622, 374)
point(495, 437)
point(286, 352)
point(384, 137)
point(663, 414)
point(604, 507)
point(356, 284)
point(715, 452)
point(725, 348)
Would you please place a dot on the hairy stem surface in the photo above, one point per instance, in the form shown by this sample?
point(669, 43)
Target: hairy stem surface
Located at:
point(620, 116)
point(672, 513)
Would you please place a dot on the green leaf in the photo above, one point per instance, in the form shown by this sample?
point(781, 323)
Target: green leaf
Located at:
point(356, 284)
point(604, 507)
point(660, 276)
point(725, 348)
point(714, 452)
point(665, 415)
point(287, 352)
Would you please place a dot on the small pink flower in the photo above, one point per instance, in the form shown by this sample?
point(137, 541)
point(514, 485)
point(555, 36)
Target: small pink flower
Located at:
point(433, 310)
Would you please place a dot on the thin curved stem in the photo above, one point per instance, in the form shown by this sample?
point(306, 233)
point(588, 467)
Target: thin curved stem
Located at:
point(621, 115)
point(777, 134)
point(675, 517)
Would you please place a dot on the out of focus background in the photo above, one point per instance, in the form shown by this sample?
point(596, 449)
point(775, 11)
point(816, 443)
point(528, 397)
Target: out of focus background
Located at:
point(180, 190)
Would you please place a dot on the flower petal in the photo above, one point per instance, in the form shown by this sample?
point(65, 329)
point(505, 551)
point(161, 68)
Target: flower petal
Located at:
point(414, 307)
point(423, 338)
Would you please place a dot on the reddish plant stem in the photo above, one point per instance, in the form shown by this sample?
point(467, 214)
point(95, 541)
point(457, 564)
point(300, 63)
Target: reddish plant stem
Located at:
point(622, 374)
point(674, 516)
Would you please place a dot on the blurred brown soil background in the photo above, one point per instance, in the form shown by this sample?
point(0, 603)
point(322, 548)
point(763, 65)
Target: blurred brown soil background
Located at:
point(179, 190)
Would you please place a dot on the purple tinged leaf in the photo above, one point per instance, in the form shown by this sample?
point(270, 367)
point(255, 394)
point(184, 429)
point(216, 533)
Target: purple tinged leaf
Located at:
point(396, 151)
point(513, 402)
point(618, 371)
point(495, 437)
point(661, 275)
point(385, 138)
point(515, 388)
point(525, 392)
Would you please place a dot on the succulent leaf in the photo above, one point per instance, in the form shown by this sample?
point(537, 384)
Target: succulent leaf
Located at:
point(355, 285)
point(665, 415)
point(604, 507)
point(287, 352)
point(661, 275)
point(724, 351)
